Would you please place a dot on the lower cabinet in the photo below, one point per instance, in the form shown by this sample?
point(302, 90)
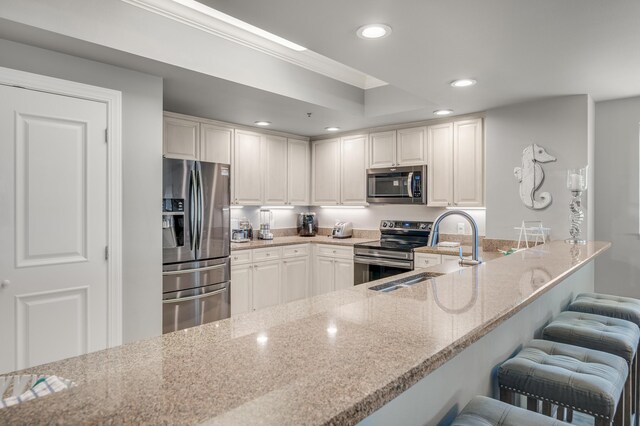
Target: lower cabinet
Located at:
point(266, 277)
point(266, 284)
point(333, 268)
point(427, 260)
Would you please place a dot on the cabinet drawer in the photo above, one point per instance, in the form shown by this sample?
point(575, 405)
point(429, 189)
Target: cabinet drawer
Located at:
point(266, 254)
point(335, 251)
point(295, 251)
point(426, 260)
point(240, 257)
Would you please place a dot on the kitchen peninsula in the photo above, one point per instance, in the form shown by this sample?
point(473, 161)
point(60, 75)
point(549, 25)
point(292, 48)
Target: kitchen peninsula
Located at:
point(336, 358)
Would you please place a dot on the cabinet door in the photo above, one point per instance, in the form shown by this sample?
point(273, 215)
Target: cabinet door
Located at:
point(410, 146)
point(324, 275)
point(353, 175)
point(426, 260)
point(215, 143)
point(382, 149)
point(325, 172)
point(298, 172)
point(468, 164)
point(343, 273)
point(241, 289)
point(247, 168)
point(266, 284)
point(440, 165)
point(295, 279)
point(180, 138)
point(275, 170)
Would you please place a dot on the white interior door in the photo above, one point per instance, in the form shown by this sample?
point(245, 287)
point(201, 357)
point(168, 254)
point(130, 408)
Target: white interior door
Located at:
point(53, 180)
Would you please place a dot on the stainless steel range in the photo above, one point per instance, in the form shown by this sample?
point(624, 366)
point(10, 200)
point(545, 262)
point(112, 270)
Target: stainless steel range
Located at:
point(393, 254)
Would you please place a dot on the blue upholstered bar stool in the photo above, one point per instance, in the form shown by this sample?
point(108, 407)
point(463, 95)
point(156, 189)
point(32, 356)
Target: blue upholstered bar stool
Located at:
point(568, 376)
point(625, 308)
point(483, 411)
point(612, 335)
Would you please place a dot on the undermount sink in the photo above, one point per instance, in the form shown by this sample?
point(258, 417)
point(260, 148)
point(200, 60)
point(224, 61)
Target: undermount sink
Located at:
point(408, 282)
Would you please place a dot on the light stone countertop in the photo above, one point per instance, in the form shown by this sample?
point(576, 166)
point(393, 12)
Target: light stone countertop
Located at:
point(329, 359)
point(287, 241)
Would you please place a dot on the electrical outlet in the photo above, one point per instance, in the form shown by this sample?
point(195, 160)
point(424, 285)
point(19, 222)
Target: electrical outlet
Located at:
point(460, 227)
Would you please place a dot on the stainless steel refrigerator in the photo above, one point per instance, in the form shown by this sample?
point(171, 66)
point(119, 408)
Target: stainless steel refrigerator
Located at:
point(196, 244)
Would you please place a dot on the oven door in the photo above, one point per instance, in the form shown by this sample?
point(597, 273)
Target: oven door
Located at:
point(367, 269)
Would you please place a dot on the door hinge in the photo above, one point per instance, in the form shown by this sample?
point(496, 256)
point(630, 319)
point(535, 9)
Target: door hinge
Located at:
point(106, 135)
point(106, 253)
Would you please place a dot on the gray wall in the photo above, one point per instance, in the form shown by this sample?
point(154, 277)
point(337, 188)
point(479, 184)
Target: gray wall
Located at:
point(562, 126)
point(617, 124)
point(142, 172)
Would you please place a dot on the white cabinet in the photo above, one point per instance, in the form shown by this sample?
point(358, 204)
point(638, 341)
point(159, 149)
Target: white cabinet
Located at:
point(298, 172)
point(333, 268)
point(339, 171)
point(382, 149)
point(266, 284)
point(180, 138)
point(241, 288)
point(295, 278)
point(215, 143)
point(426, 260)
point(455, 154)
point(410, 146)
point(247, 168)
point(325, 172)
point(269, 276)
point(450, 260)
point(404, 147)
point(274, 163)
point(468, 163)
point(194, 139)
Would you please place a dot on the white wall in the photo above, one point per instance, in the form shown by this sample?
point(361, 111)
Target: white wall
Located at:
point(616, 168)
point(561, 125)
point(142, 172)
point(370, 217)
point(282, 218)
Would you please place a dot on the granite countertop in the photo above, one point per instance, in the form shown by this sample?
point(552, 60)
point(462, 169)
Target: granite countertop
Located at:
point(329, 359)
point(287, 241)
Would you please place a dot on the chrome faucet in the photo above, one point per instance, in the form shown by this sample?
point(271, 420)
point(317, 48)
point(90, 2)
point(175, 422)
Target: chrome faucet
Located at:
point(435, 231)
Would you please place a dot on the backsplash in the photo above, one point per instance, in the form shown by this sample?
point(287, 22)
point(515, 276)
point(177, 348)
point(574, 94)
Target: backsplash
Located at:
point(363, 219)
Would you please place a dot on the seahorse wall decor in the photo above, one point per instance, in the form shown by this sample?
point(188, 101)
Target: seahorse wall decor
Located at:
point(531, 177)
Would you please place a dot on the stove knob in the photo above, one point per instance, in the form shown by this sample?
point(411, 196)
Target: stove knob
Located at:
point(423, 226)
point(391, 224)
point(384, 224)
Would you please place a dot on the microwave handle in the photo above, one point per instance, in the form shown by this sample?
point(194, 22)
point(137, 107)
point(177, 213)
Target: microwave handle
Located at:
point(410, 184)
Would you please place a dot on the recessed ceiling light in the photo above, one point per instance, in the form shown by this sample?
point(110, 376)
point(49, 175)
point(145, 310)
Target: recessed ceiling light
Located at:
point(463, 82)
point(443, 111)
point(262, 123)
point(373, 31)
point(332, 129)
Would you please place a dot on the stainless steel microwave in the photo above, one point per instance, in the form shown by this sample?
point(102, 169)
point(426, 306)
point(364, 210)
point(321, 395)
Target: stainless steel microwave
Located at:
point(397, 185)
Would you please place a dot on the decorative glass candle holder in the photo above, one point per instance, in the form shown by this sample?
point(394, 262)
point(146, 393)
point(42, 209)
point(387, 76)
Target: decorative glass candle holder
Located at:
point(576, 183)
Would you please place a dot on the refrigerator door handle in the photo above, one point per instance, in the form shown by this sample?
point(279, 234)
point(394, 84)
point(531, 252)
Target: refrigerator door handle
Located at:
point(200, 209)
point(192, 209)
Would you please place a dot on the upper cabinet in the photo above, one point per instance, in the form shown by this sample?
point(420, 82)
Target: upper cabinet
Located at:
point(195, 139)
point(215, 143)
point(298, 172)
point(181, 138)
point(270, 170)
point(455, 158)
point(338, 171)
point(404, 147)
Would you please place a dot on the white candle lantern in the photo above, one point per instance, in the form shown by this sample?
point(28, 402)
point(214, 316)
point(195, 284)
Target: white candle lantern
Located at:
point(576, 183)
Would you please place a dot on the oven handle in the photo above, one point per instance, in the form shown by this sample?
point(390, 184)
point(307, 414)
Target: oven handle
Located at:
point(410, 184)
point(197, 296)
point(381, 262)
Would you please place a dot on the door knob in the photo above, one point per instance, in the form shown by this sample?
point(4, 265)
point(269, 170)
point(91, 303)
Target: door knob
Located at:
point(4, 284)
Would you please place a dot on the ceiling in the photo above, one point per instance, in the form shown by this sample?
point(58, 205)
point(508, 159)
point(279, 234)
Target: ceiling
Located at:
point(517, 50)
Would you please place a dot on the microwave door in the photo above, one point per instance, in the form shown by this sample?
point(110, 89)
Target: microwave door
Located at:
point(388, 185)
point(179, 227)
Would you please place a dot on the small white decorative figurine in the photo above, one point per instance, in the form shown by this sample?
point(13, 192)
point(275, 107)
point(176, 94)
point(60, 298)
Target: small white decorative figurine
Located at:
point(531, 176)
